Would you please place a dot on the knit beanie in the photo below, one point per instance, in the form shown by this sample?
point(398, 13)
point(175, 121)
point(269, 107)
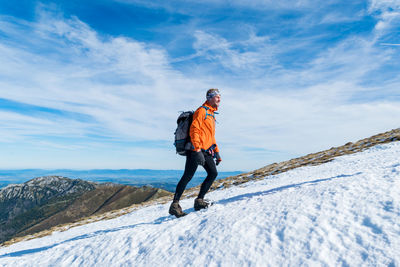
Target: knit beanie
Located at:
point(211, 93)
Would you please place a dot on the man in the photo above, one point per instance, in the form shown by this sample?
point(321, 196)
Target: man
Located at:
point(204, 150)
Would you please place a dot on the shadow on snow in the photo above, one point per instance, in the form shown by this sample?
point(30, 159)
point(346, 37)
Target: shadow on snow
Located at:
point(168, 218)
point(281, 188)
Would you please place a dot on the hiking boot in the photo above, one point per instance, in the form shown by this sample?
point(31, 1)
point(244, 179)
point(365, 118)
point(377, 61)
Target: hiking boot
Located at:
point(175, 209)
point(200, 203)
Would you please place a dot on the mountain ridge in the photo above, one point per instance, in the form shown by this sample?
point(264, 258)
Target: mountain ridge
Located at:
point(344, 212)
point(261, 173)
point(164, 179)
point(48, 201)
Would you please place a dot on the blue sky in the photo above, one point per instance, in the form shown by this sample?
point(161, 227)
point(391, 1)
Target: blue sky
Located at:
point(99, 84)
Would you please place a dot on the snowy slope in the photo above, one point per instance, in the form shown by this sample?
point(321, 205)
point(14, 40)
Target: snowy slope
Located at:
point(345, 212)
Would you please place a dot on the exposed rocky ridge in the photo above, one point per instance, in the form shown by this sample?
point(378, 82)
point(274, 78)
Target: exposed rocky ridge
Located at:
point(44, 187)
point(309, 160)
point(262, 173)
point(18, 202)
point(44, 202)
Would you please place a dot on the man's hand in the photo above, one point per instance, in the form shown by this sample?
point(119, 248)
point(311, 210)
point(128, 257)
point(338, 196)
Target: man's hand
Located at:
point(217, 158)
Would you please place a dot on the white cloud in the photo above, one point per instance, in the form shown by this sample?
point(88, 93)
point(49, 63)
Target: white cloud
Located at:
point(131, 92)
point(127, 89)
point(182, 6)
point(313, 108)
point(388, 13)
point(84, 75)
point(383, 5)
point(248, 55)
point(337, 17)
point(298, 123)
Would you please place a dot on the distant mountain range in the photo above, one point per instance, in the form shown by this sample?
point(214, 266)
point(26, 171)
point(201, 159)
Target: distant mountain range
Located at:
point(164, 179)
point(44, 202)
point(48, 201)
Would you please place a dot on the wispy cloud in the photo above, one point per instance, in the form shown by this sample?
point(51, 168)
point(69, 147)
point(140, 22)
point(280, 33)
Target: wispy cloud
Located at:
point(321, 104)
point(390, 44)
point(291, 87)
point(61, 67)
point(182, 5)
point(246, 55)
point(123, 84)
point(387, 13)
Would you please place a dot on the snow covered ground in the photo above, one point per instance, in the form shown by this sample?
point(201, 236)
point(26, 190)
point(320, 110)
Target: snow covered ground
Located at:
point(342, 213)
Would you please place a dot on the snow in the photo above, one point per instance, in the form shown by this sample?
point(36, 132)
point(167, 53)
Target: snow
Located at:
point(342, 213)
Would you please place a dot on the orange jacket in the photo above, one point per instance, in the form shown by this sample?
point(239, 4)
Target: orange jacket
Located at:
point(202, 130)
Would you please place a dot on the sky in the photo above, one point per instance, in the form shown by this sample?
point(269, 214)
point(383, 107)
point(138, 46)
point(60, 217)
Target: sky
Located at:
point(99, 84)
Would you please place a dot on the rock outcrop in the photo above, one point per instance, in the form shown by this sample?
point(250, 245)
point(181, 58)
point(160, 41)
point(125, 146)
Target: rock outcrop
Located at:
point(44, 202)
point(308, 160)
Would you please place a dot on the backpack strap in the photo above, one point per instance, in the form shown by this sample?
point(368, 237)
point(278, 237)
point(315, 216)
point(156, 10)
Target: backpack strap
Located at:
point(208, 114)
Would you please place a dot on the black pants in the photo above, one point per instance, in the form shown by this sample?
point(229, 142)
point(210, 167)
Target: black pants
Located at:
point(190, 169)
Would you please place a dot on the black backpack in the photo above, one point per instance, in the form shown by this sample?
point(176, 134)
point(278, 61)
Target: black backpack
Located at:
point(182, 138)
